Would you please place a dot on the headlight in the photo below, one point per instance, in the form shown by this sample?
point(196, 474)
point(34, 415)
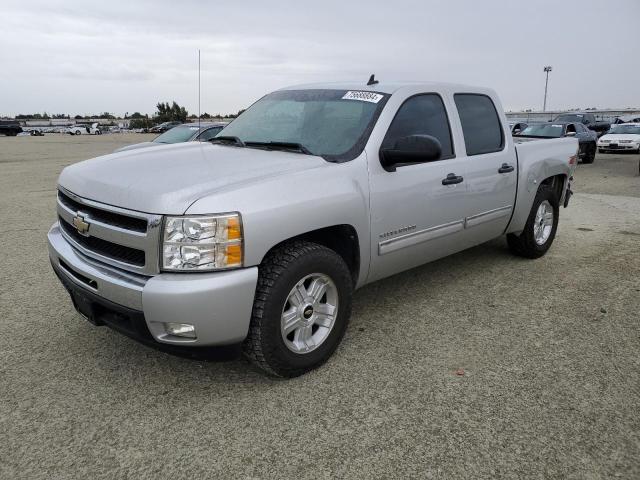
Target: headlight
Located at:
point(625, 141)
point(202, 242)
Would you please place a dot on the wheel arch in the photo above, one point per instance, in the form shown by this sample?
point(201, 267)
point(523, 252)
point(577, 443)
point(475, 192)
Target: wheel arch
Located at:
point(524, 202)
point(557, 183)
point(342, 239)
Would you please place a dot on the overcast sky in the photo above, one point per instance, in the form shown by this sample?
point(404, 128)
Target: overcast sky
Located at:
point(84, 57)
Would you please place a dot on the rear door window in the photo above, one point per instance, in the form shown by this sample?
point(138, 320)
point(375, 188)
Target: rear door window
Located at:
point(480, 123)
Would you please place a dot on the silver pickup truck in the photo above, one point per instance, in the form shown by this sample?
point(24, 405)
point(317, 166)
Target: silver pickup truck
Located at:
point(260, 236)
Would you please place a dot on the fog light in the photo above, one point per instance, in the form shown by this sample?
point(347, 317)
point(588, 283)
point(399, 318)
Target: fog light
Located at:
point(180, 329)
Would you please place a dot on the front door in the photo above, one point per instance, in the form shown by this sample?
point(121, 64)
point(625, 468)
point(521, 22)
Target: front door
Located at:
point(415, 218)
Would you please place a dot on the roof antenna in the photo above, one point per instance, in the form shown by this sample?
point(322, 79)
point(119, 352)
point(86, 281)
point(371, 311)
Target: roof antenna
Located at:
point(372, 80)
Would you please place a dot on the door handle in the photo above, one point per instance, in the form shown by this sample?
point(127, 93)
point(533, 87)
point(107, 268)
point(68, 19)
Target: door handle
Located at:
point(506, 168)
point(452, 179)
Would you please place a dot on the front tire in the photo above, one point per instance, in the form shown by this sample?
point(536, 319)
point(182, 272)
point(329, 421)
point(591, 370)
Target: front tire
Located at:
point(301, 309)
point(540, 229)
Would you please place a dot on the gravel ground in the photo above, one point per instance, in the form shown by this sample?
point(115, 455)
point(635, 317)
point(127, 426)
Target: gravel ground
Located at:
point(549, 348)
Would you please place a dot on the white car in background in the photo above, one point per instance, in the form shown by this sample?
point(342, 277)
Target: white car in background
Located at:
point(84, 129)
point(621, 137)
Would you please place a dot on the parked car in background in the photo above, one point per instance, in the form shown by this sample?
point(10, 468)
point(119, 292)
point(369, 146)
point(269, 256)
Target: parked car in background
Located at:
point(81, 129)
point(517, 128)
point(261, 235)
point(186, 132)
point(585, 118)
point(633, 118)
point(623, 137)
point(586, 138)
point(10, 128)
point(163, 127)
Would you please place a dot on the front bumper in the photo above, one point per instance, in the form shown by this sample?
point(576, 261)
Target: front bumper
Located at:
point(617, 147)
point(217, 304)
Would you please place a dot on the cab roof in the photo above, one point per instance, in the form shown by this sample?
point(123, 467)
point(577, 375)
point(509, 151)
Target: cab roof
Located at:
point(384, 87)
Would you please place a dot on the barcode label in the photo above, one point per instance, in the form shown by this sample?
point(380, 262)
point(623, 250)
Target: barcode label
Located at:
point(363, 96)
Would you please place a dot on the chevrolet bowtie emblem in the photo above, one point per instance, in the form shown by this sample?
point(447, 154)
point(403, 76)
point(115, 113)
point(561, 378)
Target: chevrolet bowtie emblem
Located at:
point(81, 225)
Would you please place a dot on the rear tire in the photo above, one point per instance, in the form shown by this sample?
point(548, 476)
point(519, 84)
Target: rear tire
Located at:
point(280, 350)
point(536, 238)
point(590, 155)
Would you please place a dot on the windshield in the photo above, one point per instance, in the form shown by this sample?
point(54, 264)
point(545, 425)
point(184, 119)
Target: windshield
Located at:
point(569, 118)
point(178, 134)
point(622, 129)
point(334, 124)
point(545, 130)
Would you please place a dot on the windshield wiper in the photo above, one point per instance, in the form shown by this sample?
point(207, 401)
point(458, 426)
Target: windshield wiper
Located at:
point(228, 139)
point(293, 146)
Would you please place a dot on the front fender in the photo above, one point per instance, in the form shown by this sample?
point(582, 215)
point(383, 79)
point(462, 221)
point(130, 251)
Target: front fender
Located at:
point(283, 207)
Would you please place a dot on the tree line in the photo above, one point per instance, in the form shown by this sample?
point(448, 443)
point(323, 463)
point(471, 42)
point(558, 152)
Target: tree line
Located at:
point(165, 112)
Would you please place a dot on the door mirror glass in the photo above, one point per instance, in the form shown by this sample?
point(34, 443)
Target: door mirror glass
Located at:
point(570, 134)
point(411, 149)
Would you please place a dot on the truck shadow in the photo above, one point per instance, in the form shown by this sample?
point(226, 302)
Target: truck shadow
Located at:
point(376, 294)
point(225, 364)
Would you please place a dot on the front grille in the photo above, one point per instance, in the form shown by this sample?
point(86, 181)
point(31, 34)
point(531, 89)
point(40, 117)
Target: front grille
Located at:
point(107, 249)
point(110, 218)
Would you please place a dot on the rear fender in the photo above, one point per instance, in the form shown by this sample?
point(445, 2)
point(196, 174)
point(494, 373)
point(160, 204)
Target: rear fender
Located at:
point(530, 179)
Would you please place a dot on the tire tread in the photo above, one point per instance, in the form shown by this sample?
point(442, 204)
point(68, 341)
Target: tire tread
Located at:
point(524, 245)
point(271, 269)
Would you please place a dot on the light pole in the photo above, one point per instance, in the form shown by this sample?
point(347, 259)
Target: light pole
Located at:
point(547, 69)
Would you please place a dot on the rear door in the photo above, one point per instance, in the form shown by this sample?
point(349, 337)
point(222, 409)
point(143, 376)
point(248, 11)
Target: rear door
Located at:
point(491, 167)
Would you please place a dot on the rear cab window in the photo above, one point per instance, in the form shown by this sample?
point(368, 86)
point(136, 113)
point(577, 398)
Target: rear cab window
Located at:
point(481, 124)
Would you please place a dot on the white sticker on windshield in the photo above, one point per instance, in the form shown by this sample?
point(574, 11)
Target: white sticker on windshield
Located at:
point(363, 96)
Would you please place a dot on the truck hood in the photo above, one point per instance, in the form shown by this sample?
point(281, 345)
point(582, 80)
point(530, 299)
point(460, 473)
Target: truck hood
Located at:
point(168, 179)
point(138, 145)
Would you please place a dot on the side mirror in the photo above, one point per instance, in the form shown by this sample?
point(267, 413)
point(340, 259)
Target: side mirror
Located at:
point(411, 149)
point(516, 131)
point(570, 134)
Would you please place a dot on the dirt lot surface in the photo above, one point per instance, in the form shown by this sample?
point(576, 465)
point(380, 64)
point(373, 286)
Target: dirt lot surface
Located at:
point(550, 351)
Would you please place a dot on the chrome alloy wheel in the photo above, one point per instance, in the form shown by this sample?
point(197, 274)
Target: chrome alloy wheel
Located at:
point(309, 313)
point(543, 223)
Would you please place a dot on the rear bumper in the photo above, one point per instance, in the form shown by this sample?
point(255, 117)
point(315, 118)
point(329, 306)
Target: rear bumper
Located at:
point(217, 304)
